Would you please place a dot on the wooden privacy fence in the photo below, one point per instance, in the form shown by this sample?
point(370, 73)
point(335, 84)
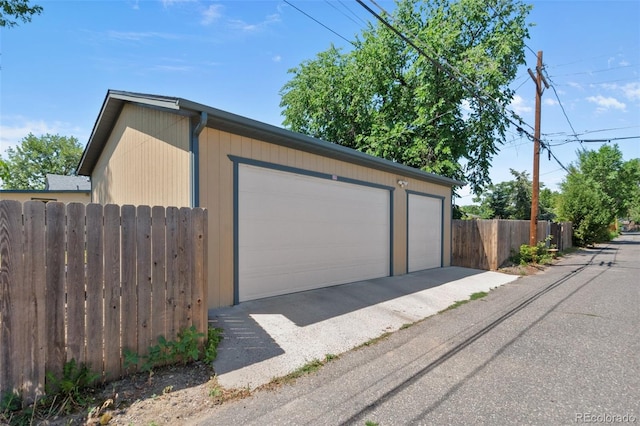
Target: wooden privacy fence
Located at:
point(85, 282)
point(487, 244)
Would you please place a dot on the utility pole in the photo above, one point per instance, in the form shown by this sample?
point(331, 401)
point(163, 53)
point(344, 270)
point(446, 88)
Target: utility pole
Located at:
point(538, 79)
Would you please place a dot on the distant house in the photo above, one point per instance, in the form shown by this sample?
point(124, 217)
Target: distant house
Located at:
point(65, 189)
point(287, 212)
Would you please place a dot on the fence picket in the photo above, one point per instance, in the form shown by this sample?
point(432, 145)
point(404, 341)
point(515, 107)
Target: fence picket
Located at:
point(158, 279)
point(11, 294)
point(76, 293)
point(143, 251)
point(129, 314)
point(112, 343)
point(55, 292)
point(95, 288)
point(172, 271)
point(35, 268)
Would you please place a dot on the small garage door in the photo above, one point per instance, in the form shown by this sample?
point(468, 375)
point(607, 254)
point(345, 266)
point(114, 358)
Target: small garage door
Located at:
point(424, 232)
point(299, 232)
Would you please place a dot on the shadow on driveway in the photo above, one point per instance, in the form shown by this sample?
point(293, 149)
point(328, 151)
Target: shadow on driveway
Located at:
point(245, 342)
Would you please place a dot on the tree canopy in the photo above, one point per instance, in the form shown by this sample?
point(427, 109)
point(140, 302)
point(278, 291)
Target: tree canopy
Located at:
point(599, 188)
point(13, 10)
point(27, 165)
point(443, 113)
point(512, 200)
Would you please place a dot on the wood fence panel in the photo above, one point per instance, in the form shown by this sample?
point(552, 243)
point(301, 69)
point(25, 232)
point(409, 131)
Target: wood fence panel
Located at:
point(171, 264)
point(158, 279)
point(199, 290)
point(84, 283)
point(129, 315)
point(35, 276)
point(112, 342)
point(75, 282)
point(488, 244)
point(143, 251)
point(11, 278)
point(55, 291)
point(95, 288)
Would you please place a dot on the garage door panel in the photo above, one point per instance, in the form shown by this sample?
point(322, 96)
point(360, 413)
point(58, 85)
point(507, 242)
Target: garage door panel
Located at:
point(424, 232)
point(298, 232)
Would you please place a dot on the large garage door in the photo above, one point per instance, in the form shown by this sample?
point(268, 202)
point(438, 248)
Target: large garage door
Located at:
point(298, 232)
point(424, 232)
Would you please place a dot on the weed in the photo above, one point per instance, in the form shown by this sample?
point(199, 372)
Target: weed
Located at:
point(182, 350)
point(66, 393)
point(373, 341)
point(458, 303)
point(214, 336)
point(370, 423)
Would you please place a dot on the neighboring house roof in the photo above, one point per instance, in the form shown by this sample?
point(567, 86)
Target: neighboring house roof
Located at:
point(225, 121)
point(67, 183)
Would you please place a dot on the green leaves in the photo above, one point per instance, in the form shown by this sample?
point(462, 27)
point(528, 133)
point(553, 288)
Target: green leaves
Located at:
point(29, 162)
point(19, 9)
point(385, 99)
point(600, 188)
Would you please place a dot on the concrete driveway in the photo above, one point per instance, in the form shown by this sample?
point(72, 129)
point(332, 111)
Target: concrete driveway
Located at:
point(272, 337)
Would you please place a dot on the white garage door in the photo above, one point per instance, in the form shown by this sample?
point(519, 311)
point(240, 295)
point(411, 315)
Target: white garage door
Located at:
point(425, 232)
point(299, 232)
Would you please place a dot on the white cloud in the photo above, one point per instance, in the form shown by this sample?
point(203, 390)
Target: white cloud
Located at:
point(277, 58)
point(19, 127)
point(212, 14)
point(631, 90)
point(575, 85)
point(243, 26)
point(550, 101)
point(139, 36)
point(605, 103)
point(519, 106)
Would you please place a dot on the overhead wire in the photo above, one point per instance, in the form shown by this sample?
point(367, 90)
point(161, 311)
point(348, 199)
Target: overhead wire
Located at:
point(564, 112)
point(318, 22)
point(448, 69)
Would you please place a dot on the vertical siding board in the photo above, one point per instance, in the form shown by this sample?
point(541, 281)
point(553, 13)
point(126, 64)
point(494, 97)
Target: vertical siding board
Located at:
point(55, 292)
point(143, 254)
point(112, 341)
point(76, 292)
point(158, 280)
point(129, 315)
point(172, 220)
point(35, 270)
point(95, 289)
point(11, 269)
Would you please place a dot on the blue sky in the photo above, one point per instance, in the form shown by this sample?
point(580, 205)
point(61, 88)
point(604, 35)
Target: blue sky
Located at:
point(234, 55)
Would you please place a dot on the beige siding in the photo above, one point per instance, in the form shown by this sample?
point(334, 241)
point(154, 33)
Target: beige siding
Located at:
point(216, 194)
point(63, 197)
point(146, 160)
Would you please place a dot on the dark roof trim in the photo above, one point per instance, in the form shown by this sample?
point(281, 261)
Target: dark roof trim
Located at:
point(239, 125)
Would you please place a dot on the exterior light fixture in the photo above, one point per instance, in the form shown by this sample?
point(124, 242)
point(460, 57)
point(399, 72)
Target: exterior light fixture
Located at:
point(403, 183)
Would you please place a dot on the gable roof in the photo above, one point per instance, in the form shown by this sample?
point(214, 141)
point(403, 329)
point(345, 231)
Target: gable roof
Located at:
point(67, 183)
point(226, 121)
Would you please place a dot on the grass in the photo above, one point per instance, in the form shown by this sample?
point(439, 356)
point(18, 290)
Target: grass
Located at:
point(308, 368)
point(458, 303)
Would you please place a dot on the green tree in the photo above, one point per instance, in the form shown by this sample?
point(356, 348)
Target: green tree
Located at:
point(386, 99)
point(512, 199)
point(600, 188)
point(28, 163)
point(13, 10)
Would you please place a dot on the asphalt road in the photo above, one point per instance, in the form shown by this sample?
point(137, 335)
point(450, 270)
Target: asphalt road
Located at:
point(558, 347)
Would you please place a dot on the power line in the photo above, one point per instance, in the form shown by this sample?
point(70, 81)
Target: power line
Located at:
point(341, 12)
point(476, 92)
point(561, 106)
point(353, 13)
point(318, 22)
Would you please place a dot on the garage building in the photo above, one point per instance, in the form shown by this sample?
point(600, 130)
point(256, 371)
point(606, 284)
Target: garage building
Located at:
point(287, 212)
